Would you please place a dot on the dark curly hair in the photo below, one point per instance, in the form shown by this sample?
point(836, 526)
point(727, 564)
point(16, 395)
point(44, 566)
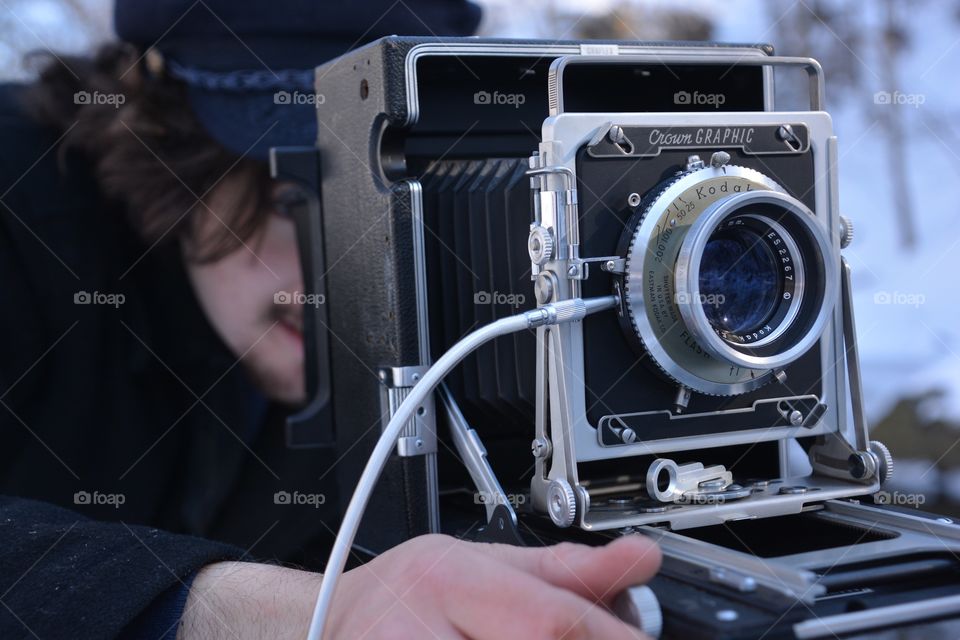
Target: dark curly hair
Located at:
point(149, 152)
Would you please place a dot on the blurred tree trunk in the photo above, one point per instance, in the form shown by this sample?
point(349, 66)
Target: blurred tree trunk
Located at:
point(891, 48)
point(838, 33)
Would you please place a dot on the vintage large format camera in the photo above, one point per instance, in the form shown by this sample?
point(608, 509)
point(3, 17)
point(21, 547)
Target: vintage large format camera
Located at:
point(714, 404)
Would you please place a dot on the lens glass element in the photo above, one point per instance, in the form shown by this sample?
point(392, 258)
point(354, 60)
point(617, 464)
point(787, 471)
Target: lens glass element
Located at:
point(740, 282)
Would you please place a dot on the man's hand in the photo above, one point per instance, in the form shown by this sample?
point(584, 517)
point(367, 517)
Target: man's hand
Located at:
point(432, 587)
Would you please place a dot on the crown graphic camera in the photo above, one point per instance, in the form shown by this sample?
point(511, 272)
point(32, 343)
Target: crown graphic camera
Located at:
point(687, 369)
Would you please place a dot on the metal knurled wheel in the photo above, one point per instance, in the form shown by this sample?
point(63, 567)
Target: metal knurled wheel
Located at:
point(561, 503)
point(885, 459)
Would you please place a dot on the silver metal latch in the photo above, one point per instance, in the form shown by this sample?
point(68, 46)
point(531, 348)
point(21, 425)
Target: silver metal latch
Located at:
point(579, 268)
point(668, 481)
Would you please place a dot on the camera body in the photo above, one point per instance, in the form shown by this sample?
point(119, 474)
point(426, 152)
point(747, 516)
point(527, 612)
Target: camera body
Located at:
point(716, 407)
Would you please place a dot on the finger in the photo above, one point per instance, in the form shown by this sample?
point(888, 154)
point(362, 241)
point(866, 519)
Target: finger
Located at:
point(595, 573)
point(413, 625)
point(499, 601)
point(406, 625)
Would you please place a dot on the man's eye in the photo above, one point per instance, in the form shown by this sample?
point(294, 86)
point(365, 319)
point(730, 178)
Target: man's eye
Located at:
point(283, 210)
point(286, 202)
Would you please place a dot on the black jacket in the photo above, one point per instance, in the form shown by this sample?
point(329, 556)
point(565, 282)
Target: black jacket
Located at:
point(132, 447)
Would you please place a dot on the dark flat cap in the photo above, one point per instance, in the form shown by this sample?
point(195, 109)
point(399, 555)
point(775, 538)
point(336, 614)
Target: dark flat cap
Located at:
point(249, 65)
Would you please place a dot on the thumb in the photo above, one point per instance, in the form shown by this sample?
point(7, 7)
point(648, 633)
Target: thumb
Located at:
point(595, 573)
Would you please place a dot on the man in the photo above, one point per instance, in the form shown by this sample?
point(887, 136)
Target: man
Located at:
point(148, 364)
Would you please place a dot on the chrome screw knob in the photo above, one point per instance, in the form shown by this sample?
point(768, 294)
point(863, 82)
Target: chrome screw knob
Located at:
point(884, 458)
point(846, 232)
point(561, 503)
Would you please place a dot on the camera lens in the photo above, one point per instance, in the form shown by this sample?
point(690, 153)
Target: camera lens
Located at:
point(751, 278)
point(739, 281)
point(754, 275)
point(727, 279)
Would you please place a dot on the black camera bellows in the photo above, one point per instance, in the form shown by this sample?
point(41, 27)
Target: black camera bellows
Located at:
point(477, 216)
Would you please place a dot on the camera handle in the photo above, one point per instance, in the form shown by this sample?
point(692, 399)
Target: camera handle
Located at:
point(312, 426)
point(551, 314)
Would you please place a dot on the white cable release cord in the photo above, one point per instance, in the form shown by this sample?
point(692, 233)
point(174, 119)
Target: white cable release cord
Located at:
point(556, 313)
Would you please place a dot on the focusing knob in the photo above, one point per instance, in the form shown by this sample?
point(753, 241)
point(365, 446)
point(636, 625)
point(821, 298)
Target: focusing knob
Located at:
point(884, 458)
point(540, 244)
point(846, 232)
point(561, 503)
point(638, 606)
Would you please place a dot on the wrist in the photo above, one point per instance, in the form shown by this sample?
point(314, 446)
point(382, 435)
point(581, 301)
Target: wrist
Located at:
point(241, 600)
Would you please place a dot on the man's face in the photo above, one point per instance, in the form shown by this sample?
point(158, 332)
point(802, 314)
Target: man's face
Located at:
point(253, 298)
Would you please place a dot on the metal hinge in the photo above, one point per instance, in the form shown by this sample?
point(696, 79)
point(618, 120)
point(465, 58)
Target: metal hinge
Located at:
point(419, 435)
